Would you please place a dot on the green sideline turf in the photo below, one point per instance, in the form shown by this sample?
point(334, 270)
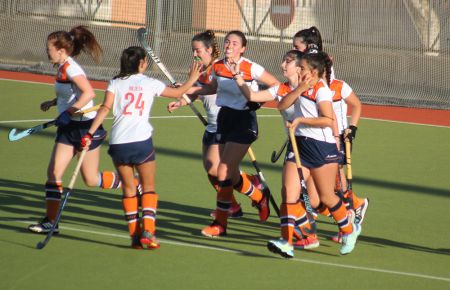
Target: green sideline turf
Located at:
point(402, 168)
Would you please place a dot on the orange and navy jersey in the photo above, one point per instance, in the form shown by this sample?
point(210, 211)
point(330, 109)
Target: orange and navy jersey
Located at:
point(280, 91)
point(307, 106)
point(206, 76)
point(67, 93)
point(228, 93)
point(341, 90)
point(209, 101)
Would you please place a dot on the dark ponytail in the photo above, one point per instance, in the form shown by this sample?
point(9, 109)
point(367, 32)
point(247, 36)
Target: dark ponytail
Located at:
point(76, 40)
point(311, 36)
point(130, 60)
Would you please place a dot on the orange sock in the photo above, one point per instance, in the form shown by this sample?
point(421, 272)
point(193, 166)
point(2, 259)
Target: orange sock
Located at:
point(149, 206)
point(224, 197)
point(131, 210)
point(245, 186)
point(323, 210)
point(53, 192)
point(357, 202)
point(215, 183)
point(291, 214)
point(109, 179)
point(340, 215)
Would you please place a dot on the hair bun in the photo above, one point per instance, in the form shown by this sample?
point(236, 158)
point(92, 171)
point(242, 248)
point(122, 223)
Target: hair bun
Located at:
point(313, 49)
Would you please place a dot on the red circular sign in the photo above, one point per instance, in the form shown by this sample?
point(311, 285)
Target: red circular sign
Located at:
point(282, 13)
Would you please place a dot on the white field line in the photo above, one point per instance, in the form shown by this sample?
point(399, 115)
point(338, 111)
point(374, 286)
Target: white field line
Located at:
point(363, 118)
point(191, 245)
point(152, 117)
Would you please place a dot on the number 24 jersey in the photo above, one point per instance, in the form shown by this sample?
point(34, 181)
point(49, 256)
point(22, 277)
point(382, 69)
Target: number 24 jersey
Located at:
point(133, 100)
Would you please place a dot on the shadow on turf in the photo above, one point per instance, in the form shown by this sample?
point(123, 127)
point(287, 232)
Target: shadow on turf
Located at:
point(178, 222)
point(266, 165)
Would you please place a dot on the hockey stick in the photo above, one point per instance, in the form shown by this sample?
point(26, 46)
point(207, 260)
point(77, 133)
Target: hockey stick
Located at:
point(266, 189)
point(276, 155)
point(14, 135)
point(142, 36)
point(348, 157)
point(43, 243)
point(304, 191)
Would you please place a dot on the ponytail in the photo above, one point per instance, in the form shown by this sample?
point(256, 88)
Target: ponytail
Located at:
point(76, 40)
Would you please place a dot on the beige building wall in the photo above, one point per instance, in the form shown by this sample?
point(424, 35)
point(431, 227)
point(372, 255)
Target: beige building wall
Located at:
point(209, 14)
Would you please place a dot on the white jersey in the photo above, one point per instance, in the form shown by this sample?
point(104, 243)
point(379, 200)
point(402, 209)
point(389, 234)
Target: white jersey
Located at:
point(278, 92)
point(341, 91)
point(228, 93)
point(209, 102)
point(67, 93)
point(307, 106)
point(133, 100)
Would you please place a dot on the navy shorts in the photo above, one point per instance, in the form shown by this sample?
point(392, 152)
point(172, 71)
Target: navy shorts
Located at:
point(236, 126)
point(313, 153)
point(71, 134)
point(134, 153)
point(209, 139)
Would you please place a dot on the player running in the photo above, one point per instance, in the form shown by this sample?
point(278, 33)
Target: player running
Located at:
point(73, 93)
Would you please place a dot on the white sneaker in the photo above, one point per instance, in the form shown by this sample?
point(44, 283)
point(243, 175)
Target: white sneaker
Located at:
point(360, 212)
point(281, 247)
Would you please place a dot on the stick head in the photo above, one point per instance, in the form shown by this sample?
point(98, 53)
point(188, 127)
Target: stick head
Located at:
point(142, 34)
point(40, 245)
point(12, 134)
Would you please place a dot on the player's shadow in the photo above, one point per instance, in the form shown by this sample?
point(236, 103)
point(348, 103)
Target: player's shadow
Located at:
point(177, 222)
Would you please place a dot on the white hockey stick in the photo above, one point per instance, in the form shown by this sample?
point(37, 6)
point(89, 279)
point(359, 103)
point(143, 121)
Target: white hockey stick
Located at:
point(142, 37)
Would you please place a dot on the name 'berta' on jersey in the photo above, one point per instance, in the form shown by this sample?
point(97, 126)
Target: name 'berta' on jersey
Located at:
point(133, 99)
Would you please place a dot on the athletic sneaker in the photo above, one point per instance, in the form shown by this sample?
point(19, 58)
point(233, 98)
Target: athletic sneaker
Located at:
point(307, 243)
point(281, 247)
point(337, 238)
point(349, 240)
point(263, 208)
point(234, 212)
point(214, 230)
point(360, 212)
point(136, 243)
point(256, 182)
point(43, 227)
point(149, 240)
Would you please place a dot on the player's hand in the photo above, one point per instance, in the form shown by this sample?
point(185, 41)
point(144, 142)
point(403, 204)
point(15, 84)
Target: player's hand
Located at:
point(85, 141)
point(295, 123)
point(195, 70)
point(350, 132)
point(233, 67)
point(172, 106)
point(47, 105)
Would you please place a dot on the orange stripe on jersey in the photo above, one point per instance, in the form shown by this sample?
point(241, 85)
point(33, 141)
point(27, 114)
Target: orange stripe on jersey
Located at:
point(205, 78)
point(336, 89)
point(284, 89)
point(311, 94)
point(244, 66)
point(61, 75)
